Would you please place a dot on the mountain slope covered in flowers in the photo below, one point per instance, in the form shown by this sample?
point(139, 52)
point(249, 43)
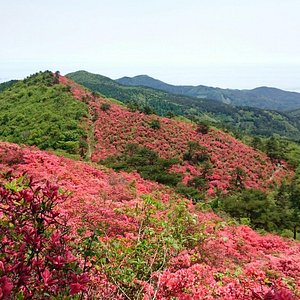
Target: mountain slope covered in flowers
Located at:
point(116, 127)
point(129, 237)
point(152, 243)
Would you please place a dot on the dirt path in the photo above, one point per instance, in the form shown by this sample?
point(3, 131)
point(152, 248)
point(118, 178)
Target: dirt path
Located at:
point(90, 135)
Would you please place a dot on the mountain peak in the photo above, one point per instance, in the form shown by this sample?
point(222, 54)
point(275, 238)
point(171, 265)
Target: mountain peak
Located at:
point(142, 80)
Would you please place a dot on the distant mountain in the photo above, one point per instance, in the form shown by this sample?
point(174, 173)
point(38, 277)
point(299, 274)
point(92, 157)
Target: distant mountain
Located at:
point(147, 81)
point(250, 120)
point(262, 97)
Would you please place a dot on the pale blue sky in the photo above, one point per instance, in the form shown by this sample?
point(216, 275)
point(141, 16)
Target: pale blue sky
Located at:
point(226, 43)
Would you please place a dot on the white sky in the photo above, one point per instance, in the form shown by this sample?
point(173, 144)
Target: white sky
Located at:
point(226, 43)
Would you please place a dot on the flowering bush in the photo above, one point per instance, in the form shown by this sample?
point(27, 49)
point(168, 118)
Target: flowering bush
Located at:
point(36, 259)
point(142, 240)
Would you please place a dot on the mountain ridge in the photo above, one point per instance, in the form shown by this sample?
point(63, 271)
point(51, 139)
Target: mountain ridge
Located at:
point(261, 97)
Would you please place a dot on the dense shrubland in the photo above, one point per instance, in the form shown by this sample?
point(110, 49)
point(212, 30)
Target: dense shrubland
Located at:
point(277, 148)
point(198, 162)
point(209, 153)
point(39, 111)
point(142, 241)
point(277, 211)
point(131, 234)
point(36, 257)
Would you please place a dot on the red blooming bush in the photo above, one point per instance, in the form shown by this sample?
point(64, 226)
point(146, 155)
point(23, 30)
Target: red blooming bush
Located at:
point(36, 259)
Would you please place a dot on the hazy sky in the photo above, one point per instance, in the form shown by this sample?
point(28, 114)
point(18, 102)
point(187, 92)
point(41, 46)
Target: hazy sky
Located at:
point(226, 43)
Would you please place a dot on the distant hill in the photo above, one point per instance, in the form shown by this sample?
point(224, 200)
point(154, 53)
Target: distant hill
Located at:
point(295, 113)
point(262, 97)
point(250, 120)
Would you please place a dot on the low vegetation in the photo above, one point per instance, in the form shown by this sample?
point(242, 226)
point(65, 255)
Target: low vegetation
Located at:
point(38, 111)
point(140, 240)
point(160, 209)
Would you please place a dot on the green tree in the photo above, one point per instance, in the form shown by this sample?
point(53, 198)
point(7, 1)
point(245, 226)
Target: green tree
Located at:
point(155, 124)
point(257, 143)
point(254, 205)
point(275, 149)
point(196, 153)
point(295, 201)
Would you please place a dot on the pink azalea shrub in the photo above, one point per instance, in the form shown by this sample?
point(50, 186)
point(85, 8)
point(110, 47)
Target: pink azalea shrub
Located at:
point(151, 242)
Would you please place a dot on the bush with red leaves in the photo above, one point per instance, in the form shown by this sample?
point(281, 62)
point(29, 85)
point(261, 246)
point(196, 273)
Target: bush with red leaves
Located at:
point(36, 260)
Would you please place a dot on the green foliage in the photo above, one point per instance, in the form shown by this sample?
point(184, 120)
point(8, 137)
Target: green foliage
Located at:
point(238, 178)
point(127, 262)
point(155, 124)
point(196, 153)
point(257, 143)
point(105, 106)
point(147, 109)
point(273, 149)
point(276, 147)
point(276, 212)
point(146, 162)
point(6, 85)
point(151, 166)
point(254, 205)
point(190, 192)
point(36, 111)
point(198, 182)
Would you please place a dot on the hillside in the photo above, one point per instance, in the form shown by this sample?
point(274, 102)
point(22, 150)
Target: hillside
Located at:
point(132, 232)
point(7, 84)
point(39, 111)
point(295, 114)
point(213, 155)
point(194, 160)
point(248, 120)
point(262, 97)
point(167, 248)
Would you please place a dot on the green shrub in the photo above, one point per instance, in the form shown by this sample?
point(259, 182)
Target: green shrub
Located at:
point(155, 124)
point(146, 162)
point(105, 106)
